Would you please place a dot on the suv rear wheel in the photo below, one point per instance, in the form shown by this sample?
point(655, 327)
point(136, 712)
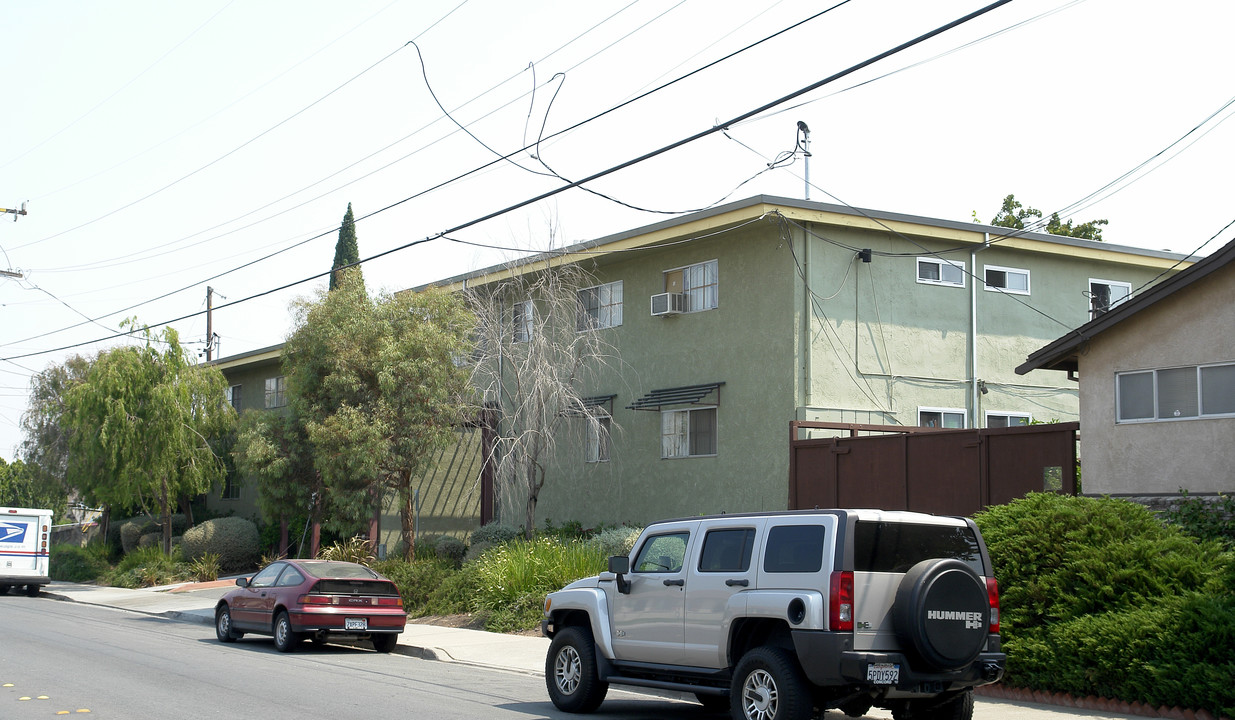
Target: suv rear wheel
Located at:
point(769, 685)
point(570, 672)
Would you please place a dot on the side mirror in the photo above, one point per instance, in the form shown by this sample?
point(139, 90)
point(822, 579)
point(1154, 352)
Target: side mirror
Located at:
point(620, 565)
point(242, 582)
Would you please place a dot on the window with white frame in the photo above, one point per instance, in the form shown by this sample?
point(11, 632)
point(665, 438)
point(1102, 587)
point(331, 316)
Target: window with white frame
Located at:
point(688, 433)
point(1106, 294)
point(698, 283)
point(276, 392)
point(1178, 393)
point(599, 427)
point(941, 418)
point(1003, 419)
point(935, 271)
point(1010, 280)
point(522, 315)
point(233, 397)
point(600, 307)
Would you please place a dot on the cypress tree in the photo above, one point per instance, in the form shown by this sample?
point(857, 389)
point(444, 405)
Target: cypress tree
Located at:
point(346, 251)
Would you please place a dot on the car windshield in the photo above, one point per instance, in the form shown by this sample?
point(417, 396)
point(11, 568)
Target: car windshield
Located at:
point(330, 569)
point(896, 547)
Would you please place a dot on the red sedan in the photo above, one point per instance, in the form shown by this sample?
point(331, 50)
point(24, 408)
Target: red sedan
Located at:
point(318, 599)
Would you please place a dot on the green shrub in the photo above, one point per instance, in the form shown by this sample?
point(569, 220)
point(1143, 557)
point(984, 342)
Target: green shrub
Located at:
point(1098, 597)
point(1059, 557)
point(457, 593)
point(490, 536)
point(205, 568)
point(132, 531)
point(450, 548)
point(495, 533)
point(147, 567)
point(514, 578)
point(617, 541)
point(417, 581)
point(233, 539)
point(74, 563)
point(1205, 518)
point(355, 550)
point(567, 531)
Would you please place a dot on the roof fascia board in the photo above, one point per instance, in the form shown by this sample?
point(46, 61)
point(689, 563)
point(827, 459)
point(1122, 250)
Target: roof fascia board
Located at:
point(1056, 355)
point(824, 213)
point(274, 352)
point(645, 238)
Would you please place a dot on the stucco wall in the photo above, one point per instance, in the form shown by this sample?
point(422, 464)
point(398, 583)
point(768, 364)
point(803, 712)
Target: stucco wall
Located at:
point(1193, 326)
point(747, 342)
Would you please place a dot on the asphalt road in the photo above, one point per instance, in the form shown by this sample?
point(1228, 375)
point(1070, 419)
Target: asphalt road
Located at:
point(64, 658)
point(58, 657)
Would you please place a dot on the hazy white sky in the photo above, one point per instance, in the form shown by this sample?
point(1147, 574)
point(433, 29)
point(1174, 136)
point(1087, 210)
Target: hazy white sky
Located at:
point(164, 147)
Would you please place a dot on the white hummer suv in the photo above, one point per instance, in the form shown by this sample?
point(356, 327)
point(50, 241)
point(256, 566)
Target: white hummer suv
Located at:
point(778, 616)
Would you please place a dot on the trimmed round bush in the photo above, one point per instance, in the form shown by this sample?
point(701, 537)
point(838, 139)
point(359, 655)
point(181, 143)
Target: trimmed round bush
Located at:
point(235, 540)
point(451, 548)
point(495, 533)
point(133, 532)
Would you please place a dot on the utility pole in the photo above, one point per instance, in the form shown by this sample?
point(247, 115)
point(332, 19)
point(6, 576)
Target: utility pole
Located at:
point(209, 321)
point(804, 146)
point(16, 213)
point(22, 211)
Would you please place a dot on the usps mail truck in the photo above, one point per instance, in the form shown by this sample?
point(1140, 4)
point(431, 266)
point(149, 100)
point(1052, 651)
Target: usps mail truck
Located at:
point(23, 549)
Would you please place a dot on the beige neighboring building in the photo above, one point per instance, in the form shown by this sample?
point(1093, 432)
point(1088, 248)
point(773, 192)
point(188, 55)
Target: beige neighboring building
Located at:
point(1157, 386)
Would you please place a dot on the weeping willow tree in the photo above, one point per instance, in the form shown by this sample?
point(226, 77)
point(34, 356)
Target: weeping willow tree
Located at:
point(541, 342)
point(140, 425)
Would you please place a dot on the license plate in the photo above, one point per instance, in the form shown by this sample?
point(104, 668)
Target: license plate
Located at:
point(355, 624)
point(883, 673)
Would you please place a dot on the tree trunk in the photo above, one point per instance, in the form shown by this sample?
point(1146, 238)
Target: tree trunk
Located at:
point(375, 523)
point(186, 507)
point(165, 511)
point(407, 524)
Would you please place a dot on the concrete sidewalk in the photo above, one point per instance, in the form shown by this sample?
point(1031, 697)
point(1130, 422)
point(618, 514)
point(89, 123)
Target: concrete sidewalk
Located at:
point(194, 602)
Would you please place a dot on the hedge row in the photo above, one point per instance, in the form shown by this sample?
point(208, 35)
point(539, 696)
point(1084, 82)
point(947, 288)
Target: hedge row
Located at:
point(1099, 597)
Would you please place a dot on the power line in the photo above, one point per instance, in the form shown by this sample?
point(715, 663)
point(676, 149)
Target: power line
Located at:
point(222, 157)
point(468, 173)
point(595, 176)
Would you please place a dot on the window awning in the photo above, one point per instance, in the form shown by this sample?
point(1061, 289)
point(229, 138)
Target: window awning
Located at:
point(685, 395)
point(589, 405)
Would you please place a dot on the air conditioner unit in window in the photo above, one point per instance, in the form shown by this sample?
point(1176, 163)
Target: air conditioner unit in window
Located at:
point(668, 304)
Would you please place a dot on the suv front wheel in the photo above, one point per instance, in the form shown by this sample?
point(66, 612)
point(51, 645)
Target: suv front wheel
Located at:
point(769, 685)
point(570, 672)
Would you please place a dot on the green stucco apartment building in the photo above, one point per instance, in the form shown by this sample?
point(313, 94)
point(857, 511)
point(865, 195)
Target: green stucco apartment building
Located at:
point(732, 322)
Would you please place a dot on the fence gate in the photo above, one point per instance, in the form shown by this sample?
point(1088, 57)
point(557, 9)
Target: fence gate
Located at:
point(946, 472)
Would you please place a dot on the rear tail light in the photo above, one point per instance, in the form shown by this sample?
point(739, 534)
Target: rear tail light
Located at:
point(389, 601)
point(840, 601)
point(316, 600)
point(992, 594)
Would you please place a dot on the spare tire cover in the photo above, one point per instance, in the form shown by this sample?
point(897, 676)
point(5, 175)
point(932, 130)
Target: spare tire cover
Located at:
point(942, 612)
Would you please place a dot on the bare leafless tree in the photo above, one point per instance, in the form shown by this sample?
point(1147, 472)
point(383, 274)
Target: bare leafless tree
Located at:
point(540, 344)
